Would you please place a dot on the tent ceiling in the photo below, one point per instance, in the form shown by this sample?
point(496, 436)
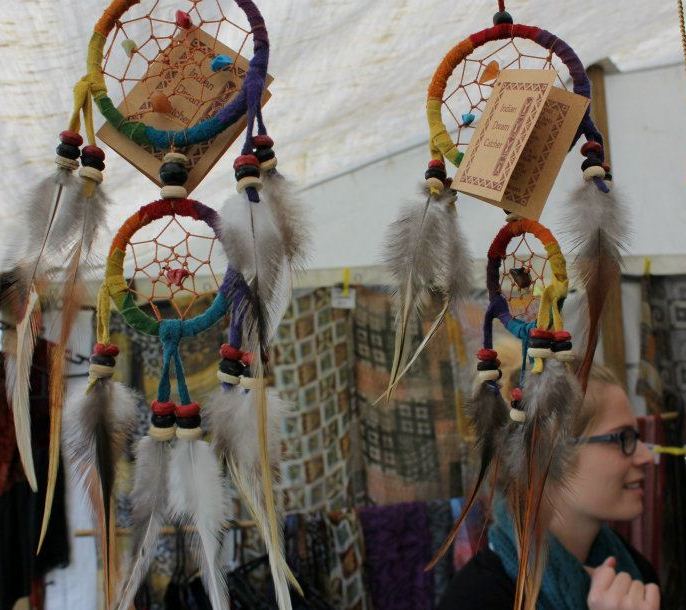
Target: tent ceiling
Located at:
point(350, 77)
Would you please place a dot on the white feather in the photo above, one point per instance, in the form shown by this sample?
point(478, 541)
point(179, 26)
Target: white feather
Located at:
point(196, 495)
point(233, 420)
point(149, 500)
point(27, 334)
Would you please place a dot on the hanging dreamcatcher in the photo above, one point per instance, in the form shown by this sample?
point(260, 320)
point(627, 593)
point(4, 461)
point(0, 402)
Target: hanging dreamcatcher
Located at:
point(438, 262)
point(261, 233)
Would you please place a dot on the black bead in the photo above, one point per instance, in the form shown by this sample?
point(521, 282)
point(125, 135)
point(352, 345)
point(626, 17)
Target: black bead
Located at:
point(561, 346)
point(487, 365)
point(434, 173)
point(536, 342)
point(516, 404)
point(264, 154)
point(89, 161)
point(188, 422)
point(163, 421)
point(173, 174)
point(591, 162)
point(247, 170)
point(232, 367)
point(103, 360)
point(68, 151)
point(502, 17)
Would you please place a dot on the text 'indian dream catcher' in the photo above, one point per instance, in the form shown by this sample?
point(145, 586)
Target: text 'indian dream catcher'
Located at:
point(522, 445)
point(186, 98)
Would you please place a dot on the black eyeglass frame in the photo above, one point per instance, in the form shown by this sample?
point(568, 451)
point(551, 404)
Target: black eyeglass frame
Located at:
point(627, 439)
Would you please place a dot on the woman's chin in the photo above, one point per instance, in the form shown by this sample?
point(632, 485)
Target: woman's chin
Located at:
point(630, 506)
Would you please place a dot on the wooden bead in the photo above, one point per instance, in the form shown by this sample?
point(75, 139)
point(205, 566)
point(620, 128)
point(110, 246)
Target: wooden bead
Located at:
point(594, 171)
point(226, 378)
point(161, 434)
point(565, 356)
point(90, 173)
point(248, 181)
point(175, 157)
point(539, 352)
point(189, 434)
point(171, 191)
point(269, 164)
point(483, 376)
point(435, 184)
point(70, 164)
point(517, 415)
point(100, 371)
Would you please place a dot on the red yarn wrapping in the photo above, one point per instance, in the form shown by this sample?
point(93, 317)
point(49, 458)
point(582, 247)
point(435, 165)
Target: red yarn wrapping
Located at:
point(162, 408)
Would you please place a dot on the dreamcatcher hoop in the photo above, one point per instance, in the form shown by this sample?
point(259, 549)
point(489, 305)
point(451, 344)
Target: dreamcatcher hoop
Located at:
point(442, 145)
point(147, 135)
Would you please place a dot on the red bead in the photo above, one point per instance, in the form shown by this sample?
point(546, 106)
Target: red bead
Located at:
point(540, 333)
point(106, 349)
point(517, 394)
point(245, 160)
point(162, 408)
point(246, 358)
point(606, 167)
point(562, 335)
point(485, 354)
point(262, 141)
point(71, 137)
point(436, 164)
point(230, 353)
point(93, 151)
point(591, 147)
point(183, 20)
point(190, 410)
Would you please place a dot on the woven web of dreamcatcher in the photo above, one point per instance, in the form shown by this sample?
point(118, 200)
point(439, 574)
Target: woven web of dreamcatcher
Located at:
point(176, 260)
point(163, 49)
point(466, 95)
point(522, 260)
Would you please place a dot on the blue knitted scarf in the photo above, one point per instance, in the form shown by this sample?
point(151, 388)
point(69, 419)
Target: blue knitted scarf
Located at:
point(565, 583)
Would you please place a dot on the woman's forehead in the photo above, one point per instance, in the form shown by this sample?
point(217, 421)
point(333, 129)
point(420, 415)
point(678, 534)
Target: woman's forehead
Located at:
point(613, 407)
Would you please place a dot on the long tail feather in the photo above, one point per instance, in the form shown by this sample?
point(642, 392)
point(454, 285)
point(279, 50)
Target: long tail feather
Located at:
point(149, 500)
point(96, 429)
point(598, 227)
point(79, 259)
point(27, 333)
point(426, 254)
point(196, 495)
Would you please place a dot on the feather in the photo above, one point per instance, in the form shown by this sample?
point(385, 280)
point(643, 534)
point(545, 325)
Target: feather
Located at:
point(20, 381)
point(597, 225)
point(436, 262)
point(78, 262)
point(254, 247)
point(289, 216)
point(487, 412)
point(149, 500)
point(96, 429)
point(231, 415)
point(196, 495)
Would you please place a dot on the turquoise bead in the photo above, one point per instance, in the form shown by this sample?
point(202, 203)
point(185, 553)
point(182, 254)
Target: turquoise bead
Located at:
point(220, 62)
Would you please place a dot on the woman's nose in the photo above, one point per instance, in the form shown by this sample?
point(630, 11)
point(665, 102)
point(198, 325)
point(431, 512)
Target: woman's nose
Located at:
point(643, 455)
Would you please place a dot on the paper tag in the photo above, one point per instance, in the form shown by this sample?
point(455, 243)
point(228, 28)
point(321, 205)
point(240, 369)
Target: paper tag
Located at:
point(521, 141)
point(339, 300)
point(195, 93)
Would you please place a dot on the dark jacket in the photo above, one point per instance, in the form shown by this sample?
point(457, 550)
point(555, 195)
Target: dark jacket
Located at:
point(483, 583)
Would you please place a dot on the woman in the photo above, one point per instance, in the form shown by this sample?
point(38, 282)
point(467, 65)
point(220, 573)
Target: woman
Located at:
point(588, 565)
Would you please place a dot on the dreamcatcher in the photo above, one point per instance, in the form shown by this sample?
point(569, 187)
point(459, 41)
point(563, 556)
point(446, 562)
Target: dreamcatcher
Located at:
point(457, 95)
point(177, 476)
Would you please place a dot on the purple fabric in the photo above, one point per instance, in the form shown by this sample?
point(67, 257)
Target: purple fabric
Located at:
point(398, 545)
point(497, 308)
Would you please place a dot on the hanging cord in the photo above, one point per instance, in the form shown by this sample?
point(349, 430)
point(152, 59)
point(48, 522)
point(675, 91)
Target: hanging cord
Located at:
point(501, 5)
point(682, 26)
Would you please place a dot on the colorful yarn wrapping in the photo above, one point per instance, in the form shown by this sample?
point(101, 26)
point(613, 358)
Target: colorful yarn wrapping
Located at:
point(203, 131)
point(549, 315)
point(441, 143)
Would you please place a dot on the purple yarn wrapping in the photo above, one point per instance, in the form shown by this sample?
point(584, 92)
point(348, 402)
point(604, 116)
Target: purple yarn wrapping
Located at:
point(497, 308)
point(398, 547)
point(582, 85)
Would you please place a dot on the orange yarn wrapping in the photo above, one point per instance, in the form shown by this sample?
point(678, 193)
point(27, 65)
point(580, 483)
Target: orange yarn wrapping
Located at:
point(440, 79)
point(111, 15)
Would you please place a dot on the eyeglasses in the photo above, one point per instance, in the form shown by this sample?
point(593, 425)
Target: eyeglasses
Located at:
point(627, 439)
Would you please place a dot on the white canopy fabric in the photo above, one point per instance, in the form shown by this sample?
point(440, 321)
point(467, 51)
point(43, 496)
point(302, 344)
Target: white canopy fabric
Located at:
point(350, 87)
